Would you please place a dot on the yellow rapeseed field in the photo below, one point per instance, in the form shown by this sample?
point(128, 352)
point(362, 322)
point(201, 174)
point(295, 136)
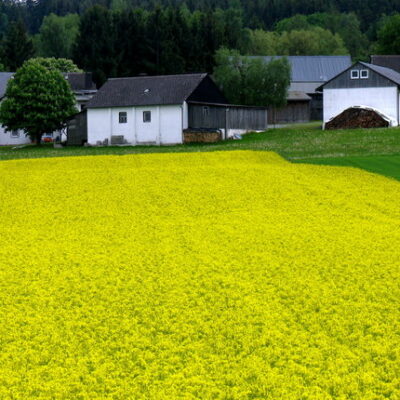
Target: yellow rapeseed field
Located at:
point(226, 275)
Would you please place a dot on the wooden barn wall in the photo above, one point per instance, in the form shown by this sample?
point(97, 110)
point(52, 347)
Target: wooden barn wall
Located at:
point(344, 81)
point(214, 117)
point(293, 112)
point(317, 107)
point(77, 130)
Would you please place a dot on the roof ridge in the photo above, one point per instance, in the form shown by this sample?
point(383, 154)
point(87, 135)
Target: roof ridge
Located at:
point(156, 76)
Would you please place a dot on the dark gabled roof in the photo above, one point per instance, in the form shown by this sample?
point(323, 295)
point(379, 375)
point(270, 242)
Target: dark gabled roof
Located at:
point(314, 68)
point(388, 61)
point(4, 78)
point(385, 72)
point(146, 90)
point(81, 81)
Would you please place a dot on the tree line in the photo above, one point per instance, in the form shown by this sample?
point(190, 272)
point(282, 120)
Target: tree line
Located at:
point(257, 14)
point(131, 37)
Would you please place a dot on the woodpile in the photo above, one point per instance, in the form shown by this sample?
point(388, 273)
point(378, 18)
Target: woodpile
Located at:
point(199, 136)
point(356, 117)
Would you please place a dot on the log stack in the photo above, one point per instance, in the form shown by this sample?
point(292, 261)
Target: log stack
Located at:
point(357, 117)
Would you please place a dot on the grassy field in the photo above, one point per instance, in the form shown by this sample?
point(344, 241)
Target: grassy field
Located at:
point(219, 275)
point(362, 148)
point(384, 165)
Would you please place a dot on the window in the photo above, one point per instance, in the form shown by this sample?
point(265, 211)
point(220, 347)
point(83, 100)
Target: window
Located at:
point(355, 74)
point(123, 117)
point(146, 116)
point(14, 134)
point(206, 111)
point(364, 74)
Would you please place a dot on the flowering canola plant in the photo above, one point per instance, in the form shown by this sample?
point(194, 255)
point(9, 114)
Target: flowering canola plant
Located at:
point(226, 275)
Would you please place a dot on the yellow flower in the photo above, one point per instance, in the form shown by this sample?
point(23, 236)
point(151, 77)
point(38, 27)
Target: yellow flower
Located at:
point(226, 275)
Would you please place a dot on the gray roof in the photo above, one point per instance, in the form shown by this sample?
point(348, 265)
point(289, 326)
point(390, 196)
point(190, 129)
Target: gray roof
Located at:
point(386, 72)
point(388, 61)
point(79, 81)
point(315, 68)
point(146, 90)
point(306, 87)
point(298, 96)
point(4, 78)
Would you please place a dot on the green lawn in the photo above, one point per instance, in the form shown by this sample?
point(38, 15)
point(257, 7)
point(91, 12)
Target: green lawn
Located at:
point(376, 150)
point(384, 165)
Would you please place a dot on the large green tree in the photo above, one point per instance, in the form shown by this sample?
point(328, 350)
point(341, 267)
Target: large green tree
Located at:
point(389, 36)
point(57, 64)
point(37, 101)
point(251, 81)
point(17, 46)
point(57, 36)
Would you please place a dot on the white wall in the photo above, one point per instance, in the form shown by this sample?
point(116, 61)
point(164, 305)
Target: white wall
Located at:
point(383, 99)
point(165, 126)
point(99, 124)
point(125, 129)
point(171, 124)
point(6, 138)
point(185, 115)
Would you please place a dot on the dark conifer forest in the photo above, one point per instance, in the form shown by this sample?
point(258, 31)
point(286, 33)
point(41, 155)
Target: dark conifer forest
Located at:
point(129, 37)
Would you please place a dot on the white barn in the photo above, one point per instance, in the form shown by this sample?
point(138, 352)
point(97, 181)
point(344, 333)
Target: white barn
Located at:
point(363, 85)
point(147, 109)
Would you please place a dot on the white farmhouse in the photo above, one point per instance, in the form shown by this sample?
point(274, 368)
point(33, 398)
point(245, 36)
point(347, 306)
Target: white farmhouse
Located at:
point(363, 85)
point(147, 109)
point(13, 138)
point(81, 84)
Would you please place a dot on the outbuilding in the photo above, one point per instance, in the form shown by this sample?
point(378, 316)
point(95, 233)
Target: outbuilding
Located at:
point(156, 110)
point(366, 86)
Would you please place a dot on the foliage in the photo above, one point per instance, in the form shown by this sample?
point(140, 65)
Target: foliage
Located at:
point(94, 47)
point(37, 101)
point(263, 280)
point(57, 36)
point(389, 37)
point(346, 25)
point(262, 43)
point(17, 46)
point(57, 64)
point(316, 41)
point(251, 81)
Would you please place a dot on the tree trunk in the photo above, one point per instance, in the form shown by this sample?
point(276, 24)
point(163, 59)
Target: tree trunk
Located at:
point(38, 137)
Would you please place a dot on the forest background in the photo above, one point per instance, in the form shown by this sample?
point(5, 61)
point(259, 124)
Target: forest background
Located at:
point(129, 37)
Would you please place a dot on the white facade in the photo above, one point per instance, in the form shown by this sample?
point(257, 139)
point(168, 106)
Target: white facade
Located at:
point(14, 138)
point(383, 99)
point(145, 125)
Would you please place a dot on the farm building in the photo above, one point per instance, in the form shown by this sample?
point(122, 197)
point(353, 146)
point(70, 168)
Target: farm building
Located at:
point(308, 73)
point(388, 61)
point(81, 84)
point(366, 86)
point(161, 110)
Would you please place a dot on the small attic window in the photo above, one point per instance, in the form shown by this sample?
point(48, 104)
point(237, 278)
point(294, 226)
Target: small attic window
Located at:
point(355, 74)
point(364, 74)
